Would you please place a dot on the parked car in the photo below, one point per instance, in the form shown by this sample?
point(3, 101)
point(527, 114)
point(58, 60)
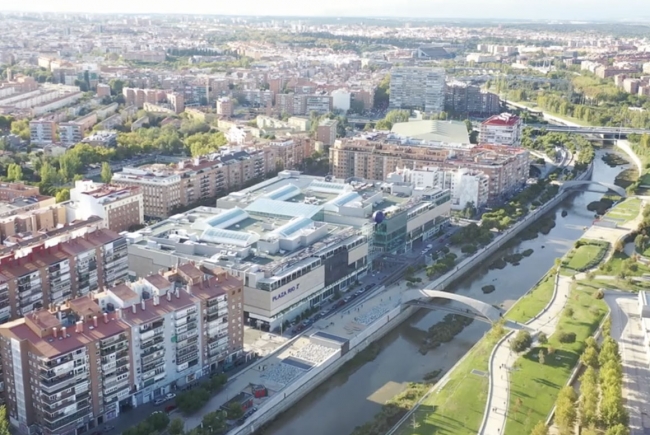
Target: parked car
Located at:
point(108, 428)
point(159, 401)
point(170, 408)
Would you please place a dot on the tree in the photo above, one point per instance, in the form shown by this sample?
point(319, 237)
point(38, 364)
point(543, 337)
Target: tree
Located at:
point(191, 401)
point(612, 411)
point(565, 411)
point(521, 341)
point(619, 429)
point(618, 246)
point(70, 164)
point(14, 172)
point(62, 195)
point(542, 338)
point(540, 429)
point(21, 128)
point(158, 420)
point(589, 397)
point(235, 410)
point(107, 172)
point(590, 357)
point(4, 422)
point(540, 356)
point(213, 422)
point(49, 178)
point(176, 427)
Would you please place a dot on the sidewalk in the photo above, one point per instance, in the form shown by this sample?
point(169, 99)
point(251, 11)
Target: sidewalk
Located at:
point(503, 359)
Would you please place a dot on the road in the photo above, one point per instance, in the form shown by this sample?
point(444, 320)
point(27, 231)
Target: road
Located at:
point(627, 331)
point(496, 408)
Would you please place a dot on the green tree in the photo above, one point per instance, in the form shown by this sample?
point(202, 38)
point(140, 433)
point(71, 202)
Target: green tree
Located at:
point(565, 410)
point(176, 426)
point(62, 195)
point(521, 341)
point(49, 178)
point(235, 410)
point(158, 420)
point(4, 421)
point(14, 172)
point(542, 338)
point(107, 172)
point(540, 429)
point(619, 429)
point(20, 128)
point(191, 401)
point(214, 422)
point(70, 164)
point(589, 397)
point(590, 357)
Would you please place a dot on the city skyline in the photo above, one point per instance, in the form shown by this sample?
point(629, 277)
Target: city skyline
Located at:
point(441, 9)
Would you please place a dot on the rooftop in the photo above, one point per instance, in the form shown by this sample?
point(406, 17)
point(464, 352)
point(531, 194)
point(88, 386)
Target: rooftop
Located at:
point(433, 130)
point(503, 119)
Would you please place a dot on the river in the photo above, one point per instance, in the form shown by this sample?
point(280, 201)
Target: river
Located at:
point(353, 396)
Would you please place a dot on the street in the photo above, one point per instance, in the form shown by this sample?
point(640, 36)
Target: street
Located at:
point(627, 331)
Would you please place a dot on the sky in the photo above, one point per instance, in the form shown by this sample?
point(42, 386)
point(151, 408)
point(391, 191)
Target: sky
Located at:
point(491, 9)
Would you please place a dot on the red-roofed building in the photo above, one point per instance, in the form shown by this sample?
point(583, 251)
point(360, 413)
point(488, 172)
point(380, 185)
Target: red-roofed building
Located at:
point(503, 129)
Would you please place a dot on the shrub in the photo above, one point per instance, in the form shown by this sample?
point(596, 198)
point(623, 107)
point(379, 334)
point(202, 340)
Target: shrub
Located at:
point(566, 337)
point(599, 294)
point(542, 338)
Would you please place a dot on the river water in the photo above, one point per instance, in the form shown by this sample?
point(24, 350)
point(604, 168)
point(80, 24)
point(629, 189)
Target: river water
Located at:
point(353, 396)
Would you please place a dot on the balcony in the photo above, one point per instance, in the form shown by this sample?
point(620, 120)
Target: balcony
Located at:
point(55, 427)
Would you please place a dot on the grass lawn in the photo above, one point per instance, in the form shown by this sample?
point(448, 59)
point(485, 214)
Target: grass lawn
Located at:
point(619, 284)
point(625, 211)
point(620, 261)
point(534, 386)
point(583, 256)
point(532, 302)
point(457, 408)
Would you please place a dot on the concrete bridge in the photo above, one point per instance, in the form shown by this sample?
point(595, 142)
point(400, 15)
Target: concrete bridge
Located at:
point(579, 184)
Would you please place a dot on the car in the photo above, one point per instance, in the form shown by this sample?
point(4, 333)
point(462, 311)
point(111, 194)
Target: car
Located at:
point(108, 428)
point(170, 396)
point(170, 408)
point(347, 299)
point(159, 401)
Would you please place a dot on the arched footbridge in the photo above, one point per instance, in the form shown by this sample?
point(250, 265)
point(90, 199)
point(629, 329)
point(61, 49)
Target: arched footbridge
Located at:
point(579, 184)
point(475, 308)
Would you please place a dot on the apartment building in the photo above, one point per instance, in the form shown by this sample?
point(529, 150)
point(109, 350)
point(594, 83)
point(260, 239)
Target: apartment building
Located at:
point(225, 107)
point(373, 157)
point(466, 186)
point(72, 368)
point(417, 87)
point(73, 132)
point(121, 207)
point(461, 98)
point(9, 191)
point(51, 274)
point(503, 129)
point(65, 371)
point(160, 187)
point(165, 188)
point(302, 104)
point(326, 131)
point(176, 101)
point(42, 132)
point(28, 220)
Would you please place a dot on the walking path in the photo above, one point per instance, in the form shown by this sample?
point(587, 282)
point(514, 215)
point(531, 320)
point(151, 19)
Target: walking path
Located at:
point(502, 360)
point(627, 330)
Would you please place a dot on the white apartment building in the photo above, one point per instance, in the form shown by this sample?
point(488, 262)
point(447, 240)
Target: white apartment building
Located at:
point(417, 87)
point(119, 206)
point(503, 129)
point(42, 132)
point(466, 185)
point(341, 100)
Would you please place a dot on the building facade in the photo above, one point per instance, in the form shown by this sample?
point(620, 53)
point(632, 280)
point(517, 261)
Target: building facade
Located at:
point(503, 129)
point(70, 369)
point(417, 87)
point(121, 207)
